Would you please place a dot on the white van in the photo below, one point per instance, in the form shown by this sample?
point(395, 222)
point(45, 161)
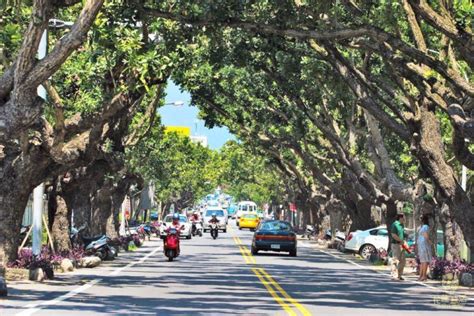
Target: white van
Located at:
point(245, 207)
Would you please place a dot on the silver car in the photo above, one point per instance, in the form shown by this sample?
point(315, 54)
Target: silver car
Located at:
point(221, 216)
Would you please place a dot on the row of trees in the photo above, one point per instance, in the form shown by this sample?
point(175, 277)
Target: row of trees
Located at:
point(359, 103)
point(184, 172)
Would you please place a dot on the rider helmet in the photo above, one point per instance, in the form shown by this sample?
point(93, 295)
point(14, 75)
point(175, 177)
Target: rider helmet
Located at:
point(214, 214)
point(175, 216)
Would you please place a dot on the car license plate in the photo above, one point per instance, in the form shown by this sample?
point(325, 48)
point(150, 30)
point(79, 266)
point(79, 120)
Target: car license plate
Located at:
point(275, 246)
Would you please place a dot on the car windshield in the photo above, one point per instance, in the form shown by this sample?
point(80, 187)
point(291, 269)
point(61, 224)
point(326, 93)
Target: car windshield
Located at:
point(276, 226)
point(250, 216)
point(219, 213)
point(169, 219)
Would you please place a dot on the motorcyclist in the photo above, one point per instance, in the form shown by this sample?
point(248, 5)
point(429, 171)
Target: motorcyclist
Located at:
point(195, 217)
point(175, 223)
point(214, 219)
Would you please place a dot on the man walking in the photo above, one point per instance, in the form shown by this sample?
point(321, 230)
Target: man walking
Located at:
point(397, 231)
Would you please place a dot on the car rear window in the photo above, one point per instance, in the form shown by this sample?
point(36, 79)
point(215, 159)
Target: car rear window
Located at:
point(275, 226)
point(169, 219)
point(219, 213)
point(250, 216)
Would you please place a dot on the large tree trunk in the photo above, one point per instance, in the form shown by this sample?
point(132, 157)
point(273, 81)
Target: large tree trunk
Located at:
point(430, 151)
point(21, 171)
point(78, 202)
point(61, 224)
point(101, 210)
point(59, 219)
point(452, 234)
point(13, 202)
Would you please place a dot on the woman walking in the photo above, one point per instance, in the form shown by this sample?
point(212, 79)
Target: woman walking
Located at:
point(424, 247)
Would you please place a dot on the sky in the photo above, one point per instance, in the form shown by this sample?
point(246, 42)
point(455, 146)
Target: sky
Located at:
point(187, 115)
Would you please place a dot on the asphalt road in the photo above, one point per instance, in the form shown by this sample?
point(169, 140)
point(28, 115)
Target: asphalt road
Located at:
point(218, 277)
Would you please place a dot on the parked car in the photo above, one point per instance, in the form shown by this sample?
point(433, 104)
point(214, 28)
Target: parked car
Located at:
point(366, 241)
point(182, 219)
point(249, 220)
point(221, 216)
point(274, 236)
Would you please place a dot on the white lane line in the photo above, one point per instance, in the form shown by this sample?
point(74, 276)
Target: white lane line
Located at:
point(374, 270)
point(35, 307)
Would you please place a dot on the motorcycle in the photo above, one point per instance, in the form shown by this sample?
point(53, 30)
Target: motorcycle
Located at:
point(97, 245)
point(196, 229)
point(171, 243)
point(213, 229)
point(310, 232)
point(340, 236)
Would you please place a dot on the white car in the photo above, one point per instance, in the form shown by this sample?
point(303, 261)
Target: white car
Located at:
point(183, 220)
point(366, 241)
point(221, 216)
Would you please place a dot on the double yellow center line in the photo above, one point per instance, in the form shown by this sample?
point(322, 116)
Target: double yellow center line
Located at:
point(245, 252)
point(289, 304)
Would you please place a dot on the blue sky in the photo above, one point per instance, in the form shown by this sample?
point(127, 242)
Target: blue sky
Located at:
point(188, 116)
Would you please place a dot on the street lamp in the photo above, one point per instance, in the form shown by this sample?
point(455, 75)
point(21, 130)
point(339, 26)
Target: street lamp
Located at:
point(38, 192)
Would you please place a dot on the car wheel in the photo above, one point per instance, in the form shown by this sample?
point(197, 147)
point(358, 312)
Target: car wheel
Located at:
point(293, 253)
point(224, 231)
point(205, 230)
point(240, 228)
point(366, 251)
point(189, 236)
point(254, 250)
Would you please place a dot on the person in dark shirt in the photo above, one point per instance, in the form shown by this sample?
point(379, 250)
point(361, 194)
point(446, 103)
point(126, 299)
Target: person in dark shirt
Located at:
point(397, 231)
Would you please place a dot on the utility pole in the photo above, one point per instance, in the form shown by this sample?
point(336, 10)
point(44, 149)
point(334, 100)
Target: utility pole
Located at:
point(38, 192)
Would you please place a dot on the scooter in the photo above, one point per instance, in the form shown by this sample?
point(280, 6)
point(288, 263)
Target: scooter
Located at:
point(310, 232)
point(97, 245)
point(214, 230)
point(171, 243)
point(196, 229)
point(340, 236)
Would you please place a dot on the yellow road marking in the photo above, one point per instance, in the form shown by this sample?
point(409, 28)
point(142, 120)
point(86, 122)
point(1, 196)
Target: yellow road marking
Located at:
point(291, 300)
point(273, 293)
point(275, 290)
point(237, 241)
point(242, 251)
point(249, 255)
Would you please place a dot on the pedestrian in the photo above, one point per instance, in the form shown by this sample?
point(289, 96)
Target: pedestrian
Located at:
point(423, 245)
point(397, 231)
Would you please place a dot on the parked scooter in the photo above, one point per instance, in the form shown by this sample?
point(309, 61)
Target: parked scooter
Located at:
point(97, 245)
point(171, 243)
point(340, 236)
point(214, 230)
point(310, 232)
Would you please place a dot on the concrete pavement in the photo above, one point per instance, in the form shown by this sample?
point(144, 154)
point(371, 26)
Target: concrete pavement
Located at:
point(216, 277)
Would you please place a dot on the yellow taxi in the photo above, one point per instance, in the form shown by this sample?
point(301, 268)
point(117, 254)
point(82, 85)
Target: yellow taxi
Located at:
point(249, 220)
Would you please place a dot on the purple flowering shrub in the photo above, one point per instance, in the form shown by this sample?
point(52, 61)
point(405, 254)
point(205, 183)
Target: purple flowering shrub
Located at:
point(122, 241)
point(46, 260)
point(440, 267)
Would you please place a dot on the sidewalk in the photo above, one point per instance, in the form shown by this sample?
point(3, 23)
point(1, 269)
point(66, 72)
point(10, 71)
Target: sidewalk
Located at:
point(409, 273)
point(66, 285)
